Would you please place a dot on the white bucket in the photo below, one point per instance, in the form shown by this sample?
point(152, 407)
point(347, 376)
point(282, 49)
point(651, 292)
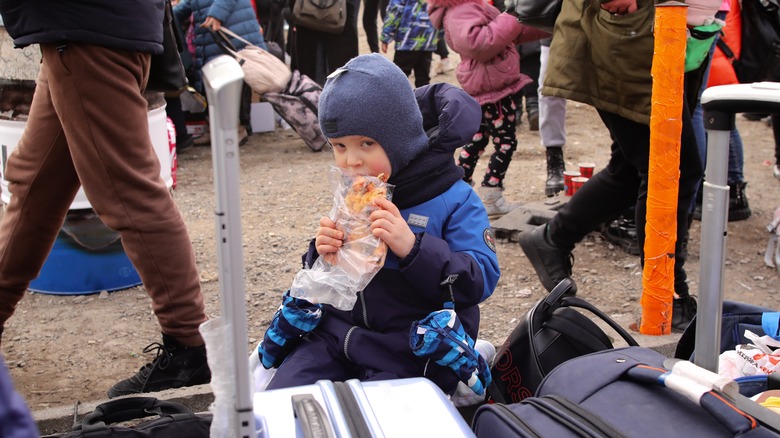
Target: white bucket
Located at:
point(11, 133)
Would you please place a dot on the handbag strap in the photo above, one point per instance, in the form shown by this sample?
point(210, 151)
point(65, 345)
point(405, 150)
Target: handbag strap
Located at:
point(229, 32)
point(130, 408)
point(582, 304)
point(223, 43)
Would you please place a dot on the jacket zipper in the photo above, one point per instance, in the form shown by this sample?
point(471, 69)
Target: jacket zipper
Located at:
point(346, 342)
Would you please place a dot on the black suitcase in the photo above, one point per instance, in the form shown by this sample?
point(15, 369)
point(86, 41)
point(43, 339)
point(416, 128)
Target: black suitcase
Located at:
point(621, 392)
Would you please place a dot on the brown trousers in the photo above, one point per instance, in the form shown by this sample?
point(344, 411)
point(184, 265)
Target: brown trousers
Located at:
point(88, 126)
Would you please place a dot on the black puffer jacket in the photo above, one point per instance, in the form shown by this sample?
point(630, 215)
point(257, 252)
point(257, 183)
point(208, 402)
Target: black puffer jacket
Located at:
point(121, 24)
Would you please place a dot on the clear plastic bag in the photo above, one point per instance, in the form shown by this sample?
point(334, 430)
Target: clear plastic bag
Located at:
point(361, 256)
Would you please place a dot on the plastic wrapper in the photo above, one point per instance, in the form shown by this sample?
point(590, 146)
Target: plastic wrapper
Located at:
point(337, 279)
point(761, 356)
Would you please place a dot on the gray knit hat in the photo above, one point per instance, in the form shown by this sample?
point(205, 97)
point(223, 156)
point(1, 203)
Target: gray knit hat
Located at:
point(371, 96)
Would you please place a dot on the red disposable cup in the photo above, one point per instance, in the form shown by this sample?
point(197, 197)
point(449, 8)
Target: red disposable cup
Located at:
point(577, 183)
point(567, 183)
point(586, 169)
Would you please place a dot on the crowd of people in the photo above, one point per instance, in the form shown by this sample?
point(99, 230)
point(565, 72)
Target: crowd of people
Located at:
point(439, 133)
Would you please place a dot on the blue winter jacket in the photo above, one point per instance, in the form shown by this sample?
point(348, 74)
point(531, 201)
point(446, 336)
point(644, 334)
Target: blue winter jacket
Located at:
point(236, 15)
point(453, 237)
point(127, 24)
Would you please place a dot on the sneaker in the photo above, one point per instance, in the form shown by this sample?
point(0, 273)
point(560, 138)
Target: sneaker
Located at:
point(622, 232)
point(243, 135)
point(552, 264)
point(533, 120)
point(174, 366)
point(683, 311)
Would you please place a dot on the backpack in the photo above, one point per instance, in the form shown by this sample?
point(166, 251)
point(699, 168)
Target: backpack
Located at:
point(551, 333)
point(297, 105)
point(759, 59)
point(327, 16)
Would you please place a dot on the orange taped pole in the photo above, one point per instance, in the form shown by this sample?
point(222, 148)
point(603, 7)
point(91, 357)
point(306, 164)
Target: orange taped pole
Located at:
point(664, 169)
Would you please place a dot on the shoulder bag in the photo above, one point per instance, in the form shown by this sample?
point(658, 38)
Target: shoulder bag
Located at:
point(166, 70)
point(327, 16)
point(263, 72)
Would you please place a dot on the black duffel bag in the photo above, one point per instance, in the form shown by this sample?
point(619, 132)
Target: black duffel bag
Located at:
point(175, 420)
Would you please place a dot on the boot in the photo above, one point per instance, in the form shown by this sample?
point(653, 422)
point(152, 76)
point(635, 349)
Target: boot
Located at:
point(495, 204)
point(683, 311)
point(555, 168)
point(532, 109)
point(551, 263)
point(739, 209)
point(174, 366)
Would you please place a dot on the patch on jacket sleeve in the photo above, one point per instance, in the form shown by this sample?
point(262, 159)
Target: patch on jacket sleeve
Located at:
point(418, 220)
point(490, 240)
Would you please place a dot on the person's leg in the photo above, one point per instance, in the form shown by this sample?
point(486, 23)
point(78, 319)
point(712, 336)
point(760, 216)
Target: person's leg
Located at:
point(501, 131)
point(470, 153)
point(422, 68)
point(405, 60)
point(42, 182)
point(339, 49)
point(245, 114)
point(739, 208)
point(503, 136)
point(530, 65)
point(119, 171)
point(552, 128)
point(314, 358)
point(370, 9)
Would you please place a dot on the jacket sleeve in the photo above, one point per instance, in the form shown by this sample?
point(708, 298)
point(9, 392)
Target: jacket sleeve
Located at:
point(466, 249)
point(392, 20)
point(481, 38)
point(182, 11)
point(221, 9)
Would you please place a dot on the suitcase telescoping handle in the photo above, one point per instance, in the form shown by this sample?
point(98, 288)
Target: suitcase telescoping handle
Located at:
point(714, 393)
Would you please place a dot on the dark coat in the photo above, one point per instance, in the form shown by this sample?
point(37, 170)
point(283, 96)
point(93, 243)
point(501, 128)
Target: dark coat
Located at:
point(123, 24)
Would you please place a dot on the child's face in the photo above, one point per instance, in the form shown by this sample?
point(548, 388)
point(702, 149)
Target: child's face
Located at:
point(360, 155)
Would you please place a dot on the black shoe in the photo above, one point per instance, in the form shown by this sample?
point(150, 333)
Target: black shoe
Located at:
point(555, 168)
point(739, 209)
point(551, 263)
point(683, 311)
point(184, 142)
point(174, 366)
point(622, 232)
point(754, 117)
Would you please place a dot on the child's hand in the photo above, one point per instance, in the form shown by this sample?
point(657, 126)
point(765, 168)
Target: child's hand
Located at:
point(384, 47)
point(619, 7)
point(328, 240)
point(388, 225)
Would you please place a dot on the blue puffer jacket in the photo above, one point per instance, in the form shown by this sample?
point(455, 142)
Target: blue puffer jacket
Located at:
point(127, 24)
point(236, 15)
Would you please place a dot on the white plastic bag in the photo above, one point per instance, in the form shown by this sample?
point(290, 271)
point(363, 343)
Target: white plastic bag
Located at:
point(762, 356)
point(361, 256)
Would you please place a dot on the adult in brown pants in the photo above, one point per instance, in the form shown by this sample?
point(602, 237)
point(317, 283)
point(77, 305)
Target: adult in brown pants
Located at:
point(88, 126)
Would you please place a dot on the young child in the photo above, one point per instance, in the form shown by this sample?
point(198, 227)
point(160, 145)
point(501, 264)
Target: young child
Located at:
point(436, 228)
point(489, 71)
point(415, 38)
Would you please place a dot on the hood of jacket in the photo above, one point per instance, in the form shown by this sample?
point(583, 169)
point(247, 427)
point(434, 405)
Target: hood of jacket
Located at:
point(436, 9)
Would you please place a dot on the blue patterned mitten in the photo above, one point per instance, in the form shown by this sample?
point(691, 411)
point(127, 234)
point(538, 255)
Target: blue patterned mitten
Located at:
point(294, 318)
point(440, 336)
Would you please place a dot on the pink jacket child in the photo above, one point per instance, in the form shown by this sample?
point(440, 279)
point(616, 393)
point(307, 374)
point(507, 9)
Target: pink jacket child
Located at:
point(485, 39)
